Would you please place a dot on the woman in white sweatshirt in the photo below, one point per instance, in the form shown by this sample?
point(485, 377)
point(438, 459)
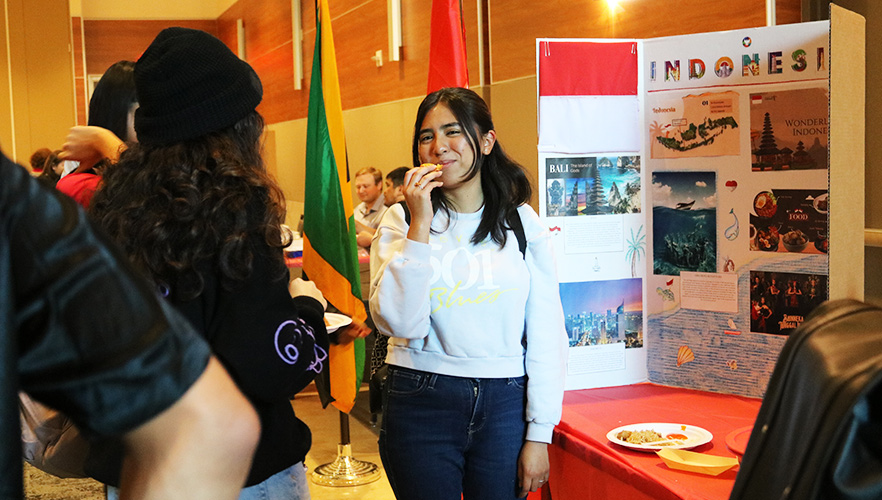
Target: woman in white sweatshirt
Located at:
point(478, 346)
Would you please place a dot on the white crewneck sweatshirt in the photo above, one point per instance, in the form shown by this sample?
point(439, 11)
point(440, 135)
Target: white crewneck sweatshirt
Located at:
point(454, 308)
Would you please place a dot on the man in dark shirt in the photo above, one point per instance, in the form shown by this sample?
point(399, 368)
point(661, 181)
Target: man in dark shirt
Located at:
point(81, 332)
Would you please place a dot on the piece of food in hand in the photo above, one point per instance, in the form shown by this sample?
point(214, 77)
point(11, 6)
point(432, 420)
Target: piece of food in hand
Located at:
point(437, 166)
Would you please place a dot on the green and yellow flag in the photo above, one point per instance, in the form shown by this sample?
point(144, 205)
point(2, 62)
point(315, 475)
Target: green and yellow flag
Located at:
point(330, 257)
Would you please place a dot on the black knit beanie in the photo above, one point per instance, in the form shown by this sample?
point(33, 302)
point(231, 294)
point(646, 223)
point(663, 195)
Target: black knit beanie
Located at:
point(190, 84)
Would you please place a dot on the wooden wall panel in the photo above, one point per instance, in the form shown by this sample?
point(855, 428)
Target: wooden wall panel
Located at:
point(515, 24)
point(226, 25)
point(788, 11)
point(413, 69)
point(109, 41)
point(79, 61)
point(268, 37)
point(267, 26)
point(360, 29)
point(7, 127)
point(280, 100)
point(82, 101)
point(358, 34)
point(472, 29)
point(37, 74)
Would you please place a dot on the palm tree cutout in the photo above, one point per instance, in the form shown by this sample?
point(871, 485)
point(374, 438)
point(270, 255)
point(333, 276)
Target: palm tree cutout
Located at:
point(657, 130)
point(635, 249)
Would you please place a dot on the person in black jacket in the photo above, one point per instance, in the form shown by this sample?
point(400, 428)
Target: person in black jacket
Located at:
point(82, 332)
point(196, 210)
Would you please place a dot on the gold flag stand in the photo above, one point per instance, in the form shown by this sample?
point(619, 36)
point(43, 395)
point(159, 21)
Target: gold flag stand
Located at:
point(345, 470)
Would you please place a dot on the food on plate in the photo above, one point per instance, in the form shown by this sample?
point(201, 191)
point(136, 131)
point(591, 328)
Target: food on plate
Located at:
point(639, 437)
point(821, 244)
point(655, 436)
point(821, 203)
point(765, 204)
point(795, 237)
point(767, 239)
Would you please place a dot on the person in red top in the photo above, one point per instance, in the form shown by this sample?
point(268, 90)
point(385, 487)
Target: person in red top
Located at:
point(80, 186)
point(112, 107)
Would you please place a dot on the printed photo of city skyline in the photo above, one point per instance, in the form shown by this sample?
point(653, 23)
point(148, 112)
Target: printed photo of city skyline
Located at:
point(604, 312)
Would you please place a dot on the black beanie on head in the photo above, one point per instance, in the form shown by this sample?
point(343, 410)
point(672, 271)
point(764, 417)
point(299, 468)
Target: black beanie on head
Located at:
point(190, 84)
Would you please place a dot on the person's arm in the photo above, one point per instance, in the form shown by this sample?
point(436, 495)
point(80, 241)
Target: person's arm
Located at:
point(272, 344)
point(363, 238)
point(533, 467)
point(546, 353)
point(545, 358)
point(96, 342)
point(199, 448)
point(400, 274)
point(418, 185)
point(361, 226)
point(89, 145)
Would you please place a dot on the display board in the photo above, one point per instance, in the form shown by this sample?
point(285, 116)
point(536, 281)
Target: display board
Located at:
point(687, 188)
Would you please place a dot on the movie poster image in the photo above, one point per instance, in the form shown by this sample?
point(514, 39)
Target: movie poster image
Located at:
point(695, 125)
point(788, 130)
point(789, 220)
point(595, 185)
point(779, 302)
point(684, 222)
point(604, 312)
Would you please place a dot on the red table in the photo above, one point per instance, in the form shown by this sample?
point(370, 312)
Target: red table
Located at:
point(363, 258)
point(586, 466)
point(295, 267)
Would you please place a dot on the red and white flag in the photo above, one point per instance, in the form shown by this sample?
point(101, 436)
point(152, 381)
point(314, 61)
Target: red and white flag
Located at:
point(588, 96)
point(447, 50)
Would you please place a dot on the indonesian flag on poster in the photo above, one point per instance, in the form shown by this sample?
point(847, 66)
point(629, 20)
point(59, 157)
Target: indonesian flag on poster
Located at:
point(588, 96)
point(447, 52)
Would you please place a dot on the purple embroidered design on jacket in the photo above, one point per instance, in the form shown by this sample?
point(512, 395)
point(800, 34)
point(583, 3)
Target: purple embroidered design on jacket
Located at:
point(286, 348)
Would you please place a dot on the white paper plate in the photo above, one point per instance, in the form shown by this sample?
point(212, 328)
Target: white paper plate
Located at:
point(819, 203)
point(695, 436)
point(335, 321)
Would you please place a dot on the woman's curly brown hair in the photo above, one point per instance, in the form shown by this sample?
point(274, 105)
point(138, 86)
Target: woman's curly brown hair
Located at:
point(197, 206)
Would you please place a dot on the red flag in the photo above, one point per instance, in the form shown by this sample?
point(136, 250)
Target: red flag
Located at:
point(447, 51)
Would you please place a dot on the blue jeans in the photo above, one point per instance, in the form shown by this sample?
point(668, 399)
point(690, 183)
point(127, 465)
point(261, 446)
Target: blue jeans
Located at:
point(446, 438)
point(289, 484)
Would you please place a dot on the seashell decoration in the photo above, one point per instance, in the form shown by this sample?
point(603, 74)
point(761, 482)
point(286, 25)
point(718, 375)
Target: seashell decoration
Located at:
point(684, 355)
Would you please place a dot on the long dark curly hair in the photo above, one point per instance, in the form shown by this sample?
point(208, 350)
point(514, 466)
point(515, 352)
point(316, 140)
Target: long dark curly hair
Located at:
point(503, 180)
point(203, 205)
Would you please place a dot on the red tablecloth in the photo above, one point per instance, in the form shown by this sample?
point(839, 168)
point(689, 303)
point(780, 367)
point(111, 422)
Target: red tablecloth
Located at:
point(586, 466)
point(363, 258)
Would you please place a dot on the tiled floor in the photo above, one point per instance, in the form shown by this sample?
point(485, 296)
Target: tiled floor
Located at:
point(325, 425)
